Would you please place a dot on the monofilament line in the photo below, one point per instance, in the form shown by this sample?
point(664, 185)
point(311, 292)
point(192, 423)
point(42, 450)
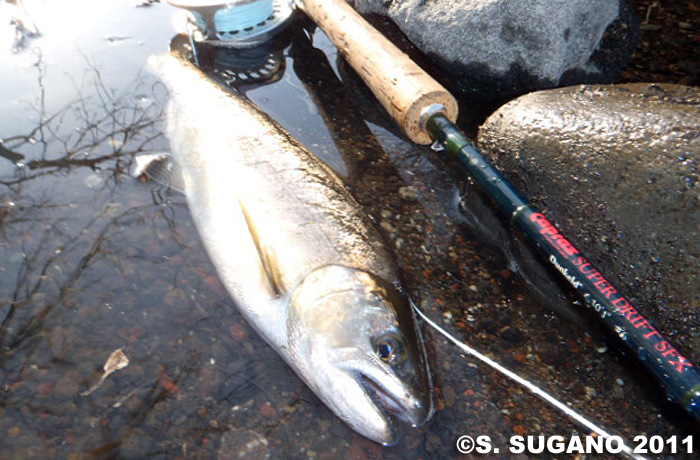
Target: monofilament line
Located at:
point(592, 427)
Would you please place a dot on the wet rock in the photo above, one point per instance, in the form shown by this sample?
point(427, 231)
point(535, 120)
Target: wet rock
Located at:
point(498, 49)
point(616, 167)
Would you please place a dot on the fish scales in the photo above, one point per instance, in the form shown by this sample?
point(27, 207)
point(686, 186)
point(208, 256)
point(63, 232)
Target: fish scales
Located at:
point(292, 197)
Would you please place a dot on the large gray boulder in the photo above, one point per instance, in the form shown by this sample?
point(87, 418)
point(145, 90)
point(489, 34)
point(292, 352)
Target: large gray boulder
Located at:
point(498, 49)
point(616, 167)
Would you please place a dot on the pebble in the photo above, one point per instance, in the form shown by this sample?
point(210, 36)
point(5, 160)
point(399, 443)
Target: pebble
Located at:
point(364, 449)
point(93, 181)
point(134, 372)
point(408, 193)
point(59, 342)
point(238, 332)
point(591, 392)
point(66, 387)
point(136, 445)
point(14, 431)
point(268, 410)
point(617, 393)
point(112, 210)
point(324, 425)
point(243, 444)
point(450, 396)
point(132, 403)
point(553, 355)
point(513, 335)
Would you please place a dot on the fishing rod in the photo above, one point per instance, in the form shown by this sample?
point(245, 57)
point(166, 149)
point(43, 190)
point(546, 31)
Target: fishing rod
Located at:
point(427, 113)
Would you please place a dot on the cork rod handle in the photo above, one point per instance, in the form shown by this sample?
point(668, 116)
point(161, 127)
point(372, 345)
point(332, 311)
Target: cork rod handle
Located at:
point(405, 90)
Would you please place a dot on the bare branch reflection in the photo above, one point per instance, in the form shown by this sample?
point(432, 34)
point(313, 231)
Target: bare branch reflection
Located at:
point(49, 246)
point(92, 261)
point(109, 128)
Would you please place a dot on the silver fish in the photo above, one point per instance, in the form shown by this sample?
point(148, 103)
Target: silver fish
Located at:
point(303, 263)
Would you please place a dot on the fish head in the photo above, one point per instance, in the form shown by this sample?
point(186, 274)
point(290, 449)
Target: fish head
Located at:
point(354, 341)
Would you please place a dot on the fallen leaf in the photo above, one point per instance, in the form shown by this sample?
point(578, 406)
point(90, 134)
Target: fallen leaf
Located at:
point(117, 360)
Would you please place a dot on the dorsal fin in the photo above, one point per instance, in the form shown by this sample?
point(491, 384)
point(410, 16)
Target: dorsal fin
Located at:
point(268, 258)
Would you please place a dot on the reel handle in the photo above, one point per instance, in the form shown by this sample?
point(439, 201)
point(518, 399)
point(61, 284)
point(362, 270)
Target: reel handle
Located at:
point(405, 90)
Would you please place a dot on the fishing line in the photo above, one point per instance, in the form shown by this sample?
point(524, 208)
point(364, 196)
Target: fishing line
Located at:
point(592, 427)
point(237, 24)
point(242, 16)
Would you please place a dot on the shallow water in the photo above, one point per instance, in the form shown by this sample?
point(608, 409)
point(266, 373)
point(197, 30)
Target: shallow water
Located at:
point(92, 261)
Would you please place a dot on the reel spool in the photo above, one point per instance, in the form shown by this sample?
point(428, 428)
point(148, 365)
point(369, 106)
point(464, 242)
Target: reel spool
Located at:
point(236, 23)
point(239, 69)
point(248, 68)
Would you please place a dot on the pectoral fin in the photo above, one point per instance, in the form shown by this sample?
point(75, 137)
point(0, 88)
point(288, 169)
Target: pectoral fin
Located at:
point(267, 255)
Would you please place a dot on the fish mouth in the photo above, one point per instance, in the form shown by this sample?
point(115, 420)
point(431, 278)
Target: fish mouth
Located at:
point(394, 401)
point(370, 397)
point(409, 408)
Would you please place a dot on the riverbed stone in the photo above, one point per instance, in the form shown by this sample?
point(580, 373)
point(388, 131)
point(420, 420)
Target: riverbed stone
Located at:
point(616, 168)
point(499, 49)
point(243, 444)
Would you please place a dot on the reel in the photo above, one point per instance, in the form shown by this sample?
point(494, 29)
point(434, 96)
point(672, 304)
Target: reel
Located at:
point(249, 67)
point(236, 23)
point(239, 69)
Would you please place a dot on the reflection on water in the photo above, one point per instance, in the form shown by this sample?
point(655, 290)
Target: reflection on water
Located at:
point(92, 261)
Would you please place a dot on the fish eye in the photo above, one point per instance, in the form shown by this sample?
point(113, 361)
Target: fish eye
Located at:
point(391, 349)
